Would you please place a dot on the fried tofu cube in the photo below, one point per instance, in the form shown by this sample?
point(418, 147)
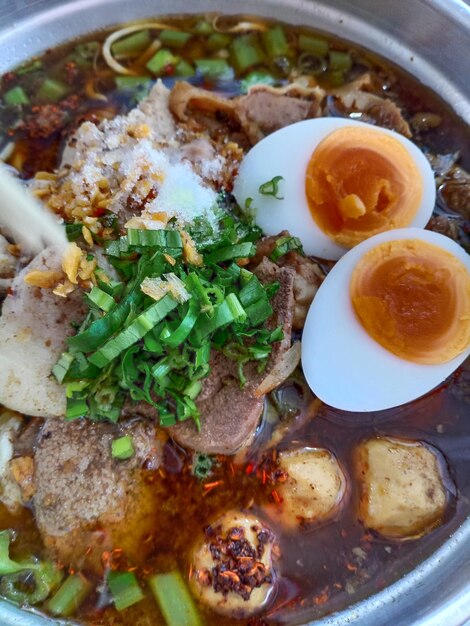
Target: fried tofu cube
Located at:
point(313, 488)
point(402, 491)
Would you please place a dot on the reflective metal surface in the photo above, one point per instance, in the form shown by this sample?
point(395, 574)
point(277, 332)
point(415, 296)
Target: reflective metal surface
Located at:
point(428, 38)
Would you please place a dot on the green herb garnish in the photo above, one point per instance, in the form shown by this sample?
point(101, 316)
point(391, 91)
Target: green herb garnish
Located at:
point(271, 188)
point(149, 335)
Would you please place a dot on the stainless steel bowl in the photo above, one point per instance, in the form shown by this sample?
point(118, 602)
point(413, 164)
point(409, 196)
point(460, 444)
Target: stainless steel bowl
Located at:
point(428, 38)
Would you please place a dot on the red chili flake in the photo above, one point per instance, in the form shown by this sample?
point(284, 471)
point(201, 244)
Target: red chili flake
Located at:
point(322, 597)
point(169, 70)
point(276, 497)
point(232, 469)
point(351, 567)
point(264, 477)
point(210, 486)
point(250, 468)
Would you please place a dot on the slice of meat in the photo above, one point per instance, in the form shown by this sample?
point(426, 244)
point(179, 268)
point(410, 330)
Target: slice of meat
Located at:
point(266, 109)
point(354, 97)
point(230, 415)
point(87, 502)
point(263, 110)
point(33, 328)
point(308, 276)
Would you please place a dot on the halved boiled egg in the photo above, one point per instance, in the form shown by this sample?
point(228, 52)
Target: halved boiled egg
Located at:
point(335, 182)
point(390, 322)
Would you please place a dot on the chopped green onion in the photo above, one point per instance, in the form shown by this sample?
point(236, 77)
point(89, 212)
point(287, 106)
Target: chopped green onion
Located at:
point(257, 77)
point(237, 251)
point(275, 42)
point(339, 61)
point(31, 586)
point(316, 45)
point(7, 566)
point(187, 324)
point(135, 331)
point(247, 52)
point(214, 69)
point(271, 188)
point(161, 61)
point(15, 96)
point(122, 448)
point(52, 90)
point(101, 299)
point(231, 310)
point(139, 84)
point(173, 598)
point(174, 38)
point(132, 44)
point(285, 245)
point(125, 589)
point(202, 28)
point(255, 301)
point(69, 596)
point(73, 231)
point(76, 407)
point(88, 50)
point(184, 69)
point(217, 41)
point(62, 366)
point(155, 238)
point(30, 67)
point(193, 389)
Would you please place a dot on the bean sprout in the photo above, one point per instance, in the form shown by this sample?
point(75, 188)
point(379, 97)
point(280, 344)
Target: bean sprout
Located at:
point(241, 27)
point(118, 34)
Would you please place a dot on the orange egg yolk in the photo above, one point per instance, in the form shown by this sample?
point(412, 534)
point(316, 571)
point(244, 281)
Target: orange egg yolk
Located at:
point(413, 298)
point(359, 182)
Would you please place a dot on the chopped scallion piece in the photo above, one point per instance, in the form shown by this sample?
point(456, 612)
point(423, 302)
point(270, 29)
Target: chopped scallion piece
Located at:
point(15, 96)
point(257, 77)
point(216, 69)
point(174, 599)
point(135, 331)
point(132, 44)
point(316, 45)
point(271, 188)
point(122, 449)
point(174, 38)
point(76, 407)
point(237, 251)
point(339, 61)
point(69, 596)
point(125, 589)
point(31, 586)
point(162, 61)
point(101, 299)
point(275, 42)
point(217, 41)
point(7, 566)
point(202, 28)
point(134, 83)
point(155, 238)
point(285, 245)
point(247, 52)
point(52, 90)
point(184, 69)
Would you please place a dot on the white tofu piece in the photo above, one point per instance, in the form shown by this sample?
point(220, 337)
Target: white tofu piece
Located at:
point(402, 488)
point(313, 488)
point(205, 562)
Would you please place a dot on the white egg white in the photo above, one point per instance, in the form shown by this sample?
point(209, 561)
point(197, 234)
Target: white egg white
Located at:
point(343, 365)
point(286, 153)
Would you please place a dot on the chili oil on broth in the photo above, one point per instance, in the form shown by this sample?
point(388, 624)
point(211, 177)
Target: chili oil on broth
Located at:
point(322, 568)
